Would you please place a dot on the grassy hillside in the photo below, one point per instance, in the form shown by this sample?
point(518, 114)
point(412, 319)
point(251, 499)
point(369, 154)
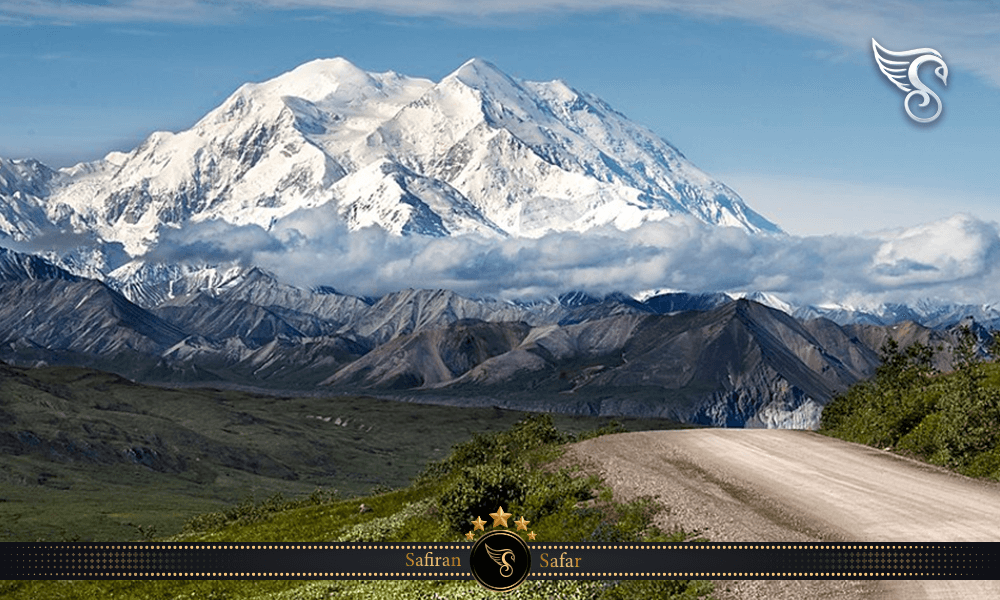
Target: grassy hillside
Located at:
point(86, 455)
point(508, 468)
point(951, 420)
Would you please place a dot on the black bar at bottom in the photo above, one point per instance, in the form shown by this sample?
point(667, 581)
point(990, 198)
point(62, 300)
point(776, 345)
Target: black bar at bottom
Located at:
point(451, 561)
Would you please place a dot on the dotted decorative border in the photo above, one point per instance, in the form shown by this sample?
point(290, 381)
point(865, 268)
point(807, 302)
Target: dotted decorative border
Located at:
point(100, 560)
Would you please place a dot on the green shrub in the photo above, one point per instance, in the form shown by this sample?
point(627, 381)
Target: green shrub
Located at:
point(882, 411)
point(613, 426)
point(478, 491)
point(923, 439)
point(952, 420)
point(838, 410)
point(970, 420)
point(986, 465)
point(516, 444)
point(502, 469)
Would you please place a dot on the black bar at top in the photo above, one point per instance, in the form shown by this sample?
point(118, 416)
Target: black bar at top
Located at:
point(451, 561)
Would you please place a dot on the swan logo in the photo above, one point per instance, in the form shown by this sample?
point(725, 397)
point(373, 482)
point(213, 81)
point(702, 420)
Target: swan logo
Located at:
point(500, 557)
point(500, 560)
point(902, 69)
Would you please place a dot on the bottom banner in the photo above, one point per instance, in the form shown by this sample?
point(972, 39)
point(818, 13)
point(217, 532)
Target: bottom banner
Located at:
point(499, 560)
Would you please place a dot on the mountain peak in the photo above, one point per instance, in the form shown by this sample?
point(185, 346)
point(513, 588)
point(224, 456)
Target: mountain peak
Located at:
point(480, 66)
point(337, 63)
point(333, 68)
point(482, 75)
point(317, 80)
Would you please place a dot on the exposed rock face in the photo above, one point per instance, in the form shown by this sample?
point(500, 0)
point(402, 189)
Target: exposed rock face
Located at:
point(431, 357)
point(741, 364)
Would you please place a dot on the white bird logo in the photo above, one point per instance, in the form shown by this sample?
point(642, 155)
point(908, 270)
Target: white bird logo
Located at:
point(500, 558)
point(902, 69)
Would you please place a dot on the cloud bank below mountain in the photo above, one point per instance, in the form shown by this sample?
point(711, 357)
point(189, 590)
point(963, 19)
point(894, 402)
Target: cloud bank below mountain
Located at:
point(951, 260)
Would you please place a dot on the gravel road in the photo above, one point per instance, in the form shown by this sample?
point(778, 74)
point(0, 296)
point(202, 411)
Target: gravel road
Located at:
point(745, 485)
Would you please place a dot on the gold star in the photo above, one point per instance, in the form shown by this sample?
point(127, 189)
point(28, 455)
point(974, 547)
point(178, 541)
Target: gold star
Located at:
point(531, 535)
point(500, 517)
point(478, 524)
point(469, 536)
point(522, 524)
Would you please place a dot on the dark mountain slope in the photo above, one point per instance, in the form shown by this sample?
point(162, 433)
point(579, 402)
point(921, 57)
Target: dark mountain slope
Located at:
point(431, 357)
point(741, 364)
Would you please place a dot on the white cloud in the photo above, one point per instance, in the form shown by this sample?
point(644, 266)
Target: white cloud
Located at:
point(117, 11)
point(967, 32)
point(953, 259)
point(960, 247)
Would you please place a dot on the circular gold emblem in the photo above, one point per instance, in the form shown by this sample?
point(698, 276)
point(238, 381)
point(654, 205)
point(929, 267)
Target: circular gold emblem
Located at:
point(500, 560)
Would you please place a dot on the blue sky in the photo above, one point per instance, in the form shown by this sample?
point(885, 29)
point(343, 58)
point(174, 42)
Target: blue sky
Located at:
point(782, 101)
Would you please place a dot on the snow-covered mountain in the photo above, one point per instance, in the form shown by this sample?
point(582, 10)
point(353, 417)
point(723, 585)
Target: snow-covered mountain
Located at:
point(24, 185)
point(932, 313)
point(929, 313)
point(476, 152)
